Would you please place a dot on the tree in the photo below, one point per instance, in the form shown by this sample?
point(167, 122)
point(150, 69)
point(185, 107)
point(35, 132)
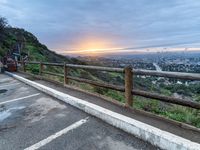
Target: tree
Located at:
point(3, 24)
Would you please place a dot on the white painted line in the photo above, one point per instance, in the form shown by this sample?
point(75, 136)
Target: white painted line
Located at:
point(18, 99)
point(156, 136)
point(11, 84)
point(4, 79)
point(57, 134)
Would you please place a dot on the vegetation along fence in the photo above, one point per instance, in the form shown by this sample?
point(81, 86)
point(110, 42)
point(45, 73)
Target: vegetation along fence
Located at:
point(128, 88)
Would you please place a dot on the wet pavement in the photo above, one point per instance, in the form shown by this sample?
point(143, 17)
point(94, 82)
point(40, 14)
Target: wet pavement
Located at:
point(30, 119)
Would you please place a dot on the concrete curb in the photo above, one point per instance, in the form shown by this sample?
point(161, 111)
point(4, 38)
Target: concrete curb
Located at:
point(155, 136)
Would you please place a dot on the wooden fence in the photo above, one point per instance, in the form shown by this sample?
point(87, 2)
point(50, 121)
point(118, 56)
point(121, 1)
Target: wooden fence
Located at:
point(128, 88)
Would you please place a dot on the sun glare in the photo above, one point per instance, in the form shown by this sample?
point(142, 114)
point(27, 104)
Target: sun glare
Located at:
point(92, 46)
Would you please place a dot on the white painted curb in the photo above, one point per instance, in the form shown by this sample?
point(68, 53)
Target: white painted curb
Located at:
point(155, 136)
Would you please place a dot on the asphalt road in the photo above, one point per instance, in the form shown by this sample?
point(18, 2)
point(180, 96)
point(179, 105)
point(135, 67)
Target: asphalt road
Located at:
point(31, 120)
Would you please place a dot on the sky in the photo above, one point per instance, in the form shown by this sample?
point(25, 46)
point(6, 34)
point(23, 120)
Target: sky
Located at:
point(107, 26)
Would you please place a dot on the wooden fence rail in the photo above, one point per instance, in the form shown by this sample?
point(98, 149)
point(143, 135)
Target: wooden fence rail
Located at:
point(128, 85)
point(166, 74)
point(109, 69)
point(95, 83)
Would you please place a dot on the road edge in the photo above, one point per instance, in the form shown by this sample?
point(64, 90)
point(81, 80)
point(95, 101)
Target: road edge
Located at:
point(155, 136)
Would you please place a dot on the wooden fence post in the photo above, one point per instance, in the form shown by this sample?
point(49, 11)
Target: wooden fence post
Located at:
point(65, 74)
point(41, 68)
point(128, 85)
point(23, 66)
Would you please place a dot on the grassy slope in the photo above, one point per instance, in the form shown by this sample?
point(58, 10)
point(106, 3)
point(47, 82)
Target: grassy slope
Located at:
point(36, 50)
point(32, 47)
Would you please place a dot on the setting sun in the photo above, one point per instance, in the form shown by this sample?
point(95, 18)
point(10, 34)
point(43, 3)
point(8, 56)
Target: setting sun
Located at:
point(91, 46)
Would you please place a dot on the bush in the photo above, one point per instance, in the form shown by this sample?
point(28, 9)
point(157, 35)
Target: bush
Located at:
point(33, 69)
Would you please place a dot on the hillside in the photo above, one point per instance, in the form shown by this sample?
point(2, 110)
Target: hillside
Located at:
point(11, 38)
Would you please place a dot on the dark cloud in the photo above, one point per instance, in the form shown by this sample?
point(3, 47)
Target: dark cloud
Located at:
point(128, 23)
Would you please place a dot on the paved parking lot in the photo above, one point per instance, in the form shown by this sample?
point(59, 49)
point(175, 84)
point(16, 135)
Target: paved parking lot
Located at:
point(32, 120)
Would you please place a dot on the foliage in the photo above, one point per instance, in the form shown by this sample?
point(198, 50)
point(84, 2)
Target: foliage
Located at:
point(3, 24)
point(175, 112)
point(34, 69)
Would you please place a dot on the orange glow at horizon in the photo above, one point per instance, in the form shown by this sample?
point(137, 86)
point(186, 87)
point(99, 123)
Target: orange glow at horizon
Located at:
point(96, 52)
point(98, 46)
point(92, 46)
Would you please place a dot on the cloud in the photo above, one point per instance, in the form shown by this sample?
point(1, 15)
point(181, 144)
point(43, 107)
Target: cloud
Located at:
point(131, 23)
point(3, 2)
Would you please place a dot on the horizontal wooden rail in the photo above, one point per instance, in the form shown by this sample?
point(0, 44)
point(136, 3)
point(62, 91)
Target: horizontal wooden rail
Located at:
point(53, 64)
point(29, 62)
point(104, 85)
point(109, 69)
point(44, 63)
point(177, 75)
point(33, 62)
point(167, 99)
point(54, 74)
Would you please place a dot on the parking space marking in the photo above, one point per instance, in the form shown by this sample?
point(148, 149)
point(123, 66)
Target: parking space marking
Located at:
point(57, 134)
point(7, 78)
point(2, 86)
point(18, 99)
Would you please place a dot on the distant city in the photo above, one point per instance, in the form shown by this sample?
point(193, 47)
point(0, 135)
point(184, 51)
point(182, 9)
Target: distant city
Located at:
point(184, 61)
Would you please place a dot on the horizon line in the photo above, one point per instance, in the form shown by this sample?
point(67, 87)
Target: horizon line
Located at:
point(128, 51)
